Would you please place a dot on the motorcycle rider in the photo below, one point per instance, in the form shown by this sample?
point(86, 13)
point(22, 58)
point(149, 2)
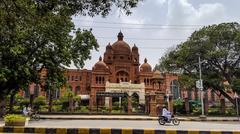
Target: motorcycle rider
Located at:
point(166, 113)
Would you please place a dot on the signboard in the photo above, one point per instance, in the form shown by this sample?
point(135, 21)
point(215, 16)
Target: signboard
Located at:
point(199, 84)
point(111, 94)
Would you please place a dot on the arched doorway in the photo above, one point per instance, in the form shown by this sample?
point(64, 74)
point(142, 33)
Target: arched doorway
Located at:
point(175, 90)
point(135, 102)
point(122, 76)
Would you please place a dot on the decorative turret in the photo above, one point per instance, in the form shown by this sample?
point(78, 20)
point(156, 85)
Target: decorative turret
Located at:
point(120, 36)
point(135, 48)
point(145, 67)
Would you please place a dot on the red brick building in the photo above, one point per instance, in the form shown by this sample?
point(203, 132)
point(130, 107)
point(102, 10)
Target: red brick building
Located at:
point(120, 63)
point(121, 69)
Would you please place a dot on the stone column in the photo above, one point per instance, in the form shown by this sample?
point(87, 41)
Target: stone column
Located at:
point(120, 102)
point(92, 101)
point(153, 109)
point(107, 102)
point(129, 104)
point(153, 105)
point(110, 104)
point(170, 104)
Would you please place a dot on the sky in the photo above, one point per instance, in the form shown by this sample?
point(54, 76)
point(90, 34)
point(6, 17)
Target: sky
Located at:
point(157, 26)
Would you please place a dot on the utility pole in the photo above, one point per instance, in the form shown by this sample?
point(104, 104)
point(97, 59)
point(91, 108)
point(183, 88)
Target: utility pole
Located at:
point(201, 86)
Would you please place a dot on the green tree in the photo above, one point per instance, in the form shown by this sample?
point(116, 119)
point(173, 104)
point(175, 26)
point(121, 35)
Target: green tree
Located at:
point(35, 34)
point(219, 49)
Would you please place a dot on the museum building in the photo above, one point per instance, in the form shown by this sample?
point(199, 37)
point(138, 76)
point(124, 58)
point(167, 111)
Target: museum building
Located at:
point(119, 74)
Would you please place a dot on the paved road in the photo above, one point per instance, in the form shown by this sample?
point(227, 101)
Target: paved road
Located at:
point(184, 125)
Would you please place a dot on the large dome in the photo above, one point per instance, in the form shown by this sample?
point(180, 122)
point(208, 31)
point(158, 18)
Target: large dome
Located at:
point(120, 46)
point(145, 67)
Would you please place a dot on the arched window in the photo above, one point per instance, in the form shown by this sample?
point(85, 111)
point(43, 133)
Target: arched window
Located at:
point(103, 80)
point(100, 80)
point(175, 89)
point(123, 76)
point(96, 80)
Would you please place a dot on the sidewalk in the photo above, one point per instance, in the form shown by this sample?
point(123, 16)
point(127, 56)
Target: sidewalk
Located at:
point(131, 117)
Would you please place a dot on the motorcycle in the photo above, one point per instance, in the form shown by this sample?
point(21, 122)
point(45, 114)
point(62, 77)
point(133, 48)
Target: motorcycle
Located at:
point(162, 120)
point(34, 115)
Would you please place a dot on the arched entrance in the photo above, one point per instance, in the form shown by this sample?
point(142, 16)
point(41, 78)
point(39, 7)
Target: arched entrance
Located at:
point(122, 76)
point(135, 102)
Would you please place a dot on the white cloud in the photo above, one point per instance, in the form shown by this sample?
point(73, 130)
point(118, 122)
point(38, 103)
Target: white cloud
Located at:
point(161, 2)
point(183, 12)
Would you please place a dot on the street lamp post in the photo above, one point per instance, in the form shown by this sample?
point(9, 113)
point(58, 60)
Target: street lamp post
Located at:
point(201, 86)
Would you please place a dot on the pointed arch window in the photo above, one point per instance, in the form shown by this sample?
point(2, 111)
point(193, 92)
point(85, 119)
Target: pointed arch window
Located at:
point(175, 90)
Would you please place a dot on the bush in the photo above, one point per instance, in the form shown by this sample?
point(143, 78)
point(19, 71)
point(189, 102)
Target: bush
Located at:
point(230, 111)
point(213, 111)
point(39, 101)
point(24, 102)
point(17, 108)
point(84, 109)
point(178, 105)
point(77, 98)
point(196, 111)
point(57, 108)
point(14, 117)
point(194, 105)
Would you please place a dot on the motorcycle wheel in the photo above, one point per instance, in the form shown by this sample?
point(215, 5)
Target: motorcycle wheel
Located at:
point(175, 121)
point(36, 117)
point(161, 121)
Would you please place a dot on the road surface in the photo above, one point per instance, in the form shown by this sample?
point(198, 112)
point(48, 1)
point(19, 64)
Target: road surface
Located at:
point(143, 124)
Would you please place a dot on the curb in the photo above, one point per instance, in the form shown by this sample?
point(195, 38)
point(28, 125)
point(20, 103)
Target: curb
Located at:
point(106, 131)
point(181, 119)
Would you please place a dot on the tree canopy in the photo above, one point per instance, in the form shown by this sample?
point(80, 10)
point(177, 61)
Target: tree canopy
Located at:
point(35, 34)
point(218, 47)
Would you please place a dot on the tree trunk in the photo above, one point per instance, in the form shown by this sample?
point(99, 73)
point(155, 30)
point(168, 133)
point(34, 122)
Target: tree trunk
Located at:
point(222, 102)
point(2, 106)
point(227, 96)
point(187, 105)
point(50, 102)
point(205, 100)
point(71, 104)
point(11, 103)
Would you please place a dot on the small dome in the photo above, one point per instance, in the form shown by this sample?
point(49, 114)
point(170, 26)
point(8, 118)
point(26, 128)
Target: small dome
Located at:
point(100, 65)
point(134, 48)
point(157, 75)
point(145, 67)
point(120, 46)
